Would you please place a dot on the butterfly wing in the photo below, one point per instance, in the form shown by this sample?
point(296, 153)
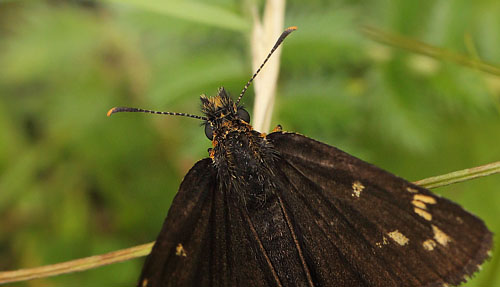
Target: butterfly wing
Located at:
point(177, 253)
point(361, 226)
point(205, 240)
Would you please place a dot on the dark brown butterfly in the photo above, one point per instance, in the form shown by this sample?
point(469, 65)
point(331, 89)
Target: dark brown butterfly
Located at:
point(285, 210)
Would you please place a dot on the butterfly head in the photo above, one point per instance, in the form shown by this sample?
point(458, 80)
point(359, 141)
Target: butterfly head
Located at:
point(223, 115)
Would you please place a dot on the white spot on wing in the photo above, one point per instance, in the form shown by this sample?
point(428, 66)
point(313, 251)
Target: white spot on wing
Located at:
point(426, 215)
point(419, 201)
point(384, 242)
point(180, 251)
point(424, 198)
point(441, 237)
point(419, 204)
point(398, 237)
point(357, 187)
point(429, 244)
point(411, 190)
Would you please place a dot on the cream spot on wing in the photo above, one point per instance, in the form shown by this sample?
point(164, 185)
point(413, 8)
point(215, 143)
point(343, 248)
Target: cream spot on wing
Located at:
point(419, 204)
point(384, 242)
point(180, 251)
point(398, 237)
point(357, 187)
point(441, 237)
point(144, 283)
point(419, 201)
point(429, 244)
point(424, 198)
point(459, 220)
point(411, 190)
point(426, 215)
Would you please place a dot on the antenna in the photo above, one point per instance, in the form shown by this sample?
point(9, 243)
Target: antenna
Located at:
point(135, 110)
point(276, 45)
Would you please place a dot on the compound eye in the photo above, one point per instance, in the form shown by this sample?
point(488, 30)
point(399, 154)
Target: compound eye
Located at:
point(209, 131)
point(244, 115)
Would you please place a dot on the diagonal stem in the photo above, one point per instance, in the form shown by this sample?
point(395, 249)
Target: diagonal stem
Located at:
point(459, 176)
point(76, 265)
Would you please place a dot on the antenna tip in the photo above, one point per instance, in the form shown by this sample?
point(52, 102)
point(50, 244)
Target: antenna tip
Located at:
point(112, 111)
point(292, 28)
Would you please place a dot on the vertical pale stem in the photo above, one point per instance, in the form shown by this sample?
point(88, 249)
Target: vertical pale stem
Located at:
point(264, 36)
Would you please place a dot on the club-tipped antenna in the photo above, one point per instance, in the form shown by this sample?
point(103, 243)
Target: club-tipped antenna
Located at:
point(276, 45)
point(136, 110)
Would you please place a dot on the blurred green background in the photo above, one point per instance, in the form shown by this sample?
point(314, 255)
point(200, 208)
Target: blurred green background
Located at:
point(74, 183)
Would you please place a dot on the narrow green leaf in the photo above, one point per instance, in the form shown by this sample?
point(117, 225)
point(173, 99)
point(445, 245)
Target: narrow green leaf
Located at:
point(419, 47)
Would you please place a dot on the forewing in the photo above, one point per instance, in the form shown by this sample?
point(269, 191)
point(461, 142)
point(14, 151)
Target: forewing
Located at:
point(177, 255)
point(205, 240)
point(358, 223)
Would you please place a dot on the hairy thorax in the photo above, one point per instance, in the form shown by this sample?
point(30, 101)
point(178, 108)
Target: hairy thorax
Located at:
point(244, 160)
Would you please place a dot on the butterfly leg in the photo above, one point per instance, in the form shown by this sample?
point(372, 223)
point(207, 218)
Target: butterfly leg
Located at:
point(278, 128)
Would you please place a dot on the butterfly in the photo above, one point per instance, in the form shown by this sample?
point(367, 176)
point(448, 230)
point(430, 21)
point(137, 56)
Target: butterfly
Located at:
point(281, 209)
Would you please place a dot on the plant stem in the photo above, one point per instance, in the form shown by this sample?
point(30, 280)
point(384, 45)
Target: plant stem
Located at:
point(76, 265)
point(264, 35)
point(459, 176)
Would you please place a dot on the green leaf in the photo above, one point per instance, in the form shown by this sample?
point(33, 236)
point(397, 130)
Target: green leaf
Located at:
point(193, 11)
